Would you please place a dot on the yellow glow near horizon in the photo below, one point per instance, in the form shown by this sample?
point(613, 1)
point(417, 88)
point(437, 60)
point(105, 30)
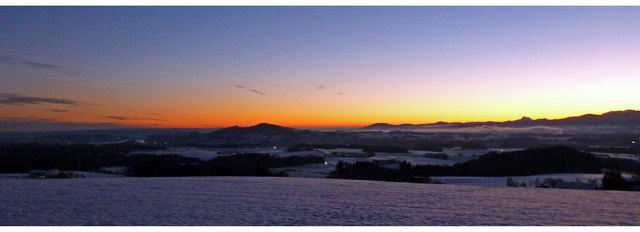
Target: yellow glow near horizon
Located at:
point(359, 107)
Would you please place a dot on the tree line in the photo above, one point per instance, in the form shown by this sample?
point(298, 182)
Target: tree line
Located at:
point(556, 159)
point(21, 158)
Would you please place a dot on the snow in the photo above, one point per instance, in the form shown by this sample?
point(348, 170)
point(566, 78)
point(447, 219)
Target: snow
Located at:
point(633, 157)
point(120, 170)
point(413, 156)
point(299, 201)
point(96, 174)
point(344, 150)
point(200, 153)
point(283, 154)
point(108, 142)
point(420, 160)
point(206, 154)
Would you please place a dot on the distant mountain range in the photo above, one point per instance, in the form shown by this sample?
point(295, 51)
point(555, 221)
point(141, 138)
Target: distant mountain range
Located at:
point(612, 118)
point(613, 129)
point(268, 134)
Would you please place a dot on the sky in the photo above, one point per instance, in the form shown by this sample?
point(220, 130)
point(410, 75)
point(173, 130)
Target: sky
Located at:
point(314, 66)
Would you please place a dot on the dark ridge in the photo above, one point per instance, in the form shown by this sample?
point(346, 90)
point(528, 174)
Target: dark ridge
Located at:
point(617, 118)
point(262, 128)
point(378, 125)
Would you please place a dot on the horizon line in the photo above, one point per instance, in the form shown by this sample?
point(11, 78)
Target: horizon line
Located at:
point(125, 126)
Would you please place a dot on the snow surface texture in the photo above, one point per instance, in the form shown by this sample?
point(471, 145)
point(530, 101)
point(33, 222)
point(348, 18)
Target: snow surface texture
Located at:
point(299, 201)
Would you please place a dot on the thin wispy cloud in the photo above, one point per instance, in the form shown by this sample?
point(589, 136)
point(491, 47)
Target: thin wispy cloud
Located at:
point(248, 89)
point(42, 65)
point(58, 110)
point(35, 65)
point(322, 87)
point(6, 59)
point(19, 100)
point(116, 117)
point(45, 120)
point(152, 124)
point(122, 118)
point(153, 119)
point(258, 92)
point(15, 118)
point(151, 113)
point(25, 119)
point(46, 124)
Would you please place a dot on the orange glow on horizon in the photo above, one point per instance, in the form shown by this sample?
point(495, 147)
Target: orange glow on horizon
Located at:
point(310, 123)
point(310, 112)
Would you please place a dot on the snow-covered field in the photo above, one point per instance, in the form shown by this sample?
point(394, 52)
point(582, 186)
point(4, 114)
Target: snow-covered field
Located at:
point(633, 157)
point(413, 156)
point(299, 201)
point(206, 154)
point(200, 153)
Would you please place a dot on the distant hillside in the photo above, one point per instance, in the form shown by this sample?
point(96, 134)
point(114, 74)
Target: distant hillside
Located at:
point(262, 128)
point(263, 134)
point(531, 162)
point(613, 118)
point(556, 159)
point(623, 118)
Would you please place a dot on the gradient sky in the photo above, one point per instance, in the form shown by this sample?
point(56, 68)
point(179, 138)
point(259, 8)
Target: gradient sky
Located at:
point(315, 66)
